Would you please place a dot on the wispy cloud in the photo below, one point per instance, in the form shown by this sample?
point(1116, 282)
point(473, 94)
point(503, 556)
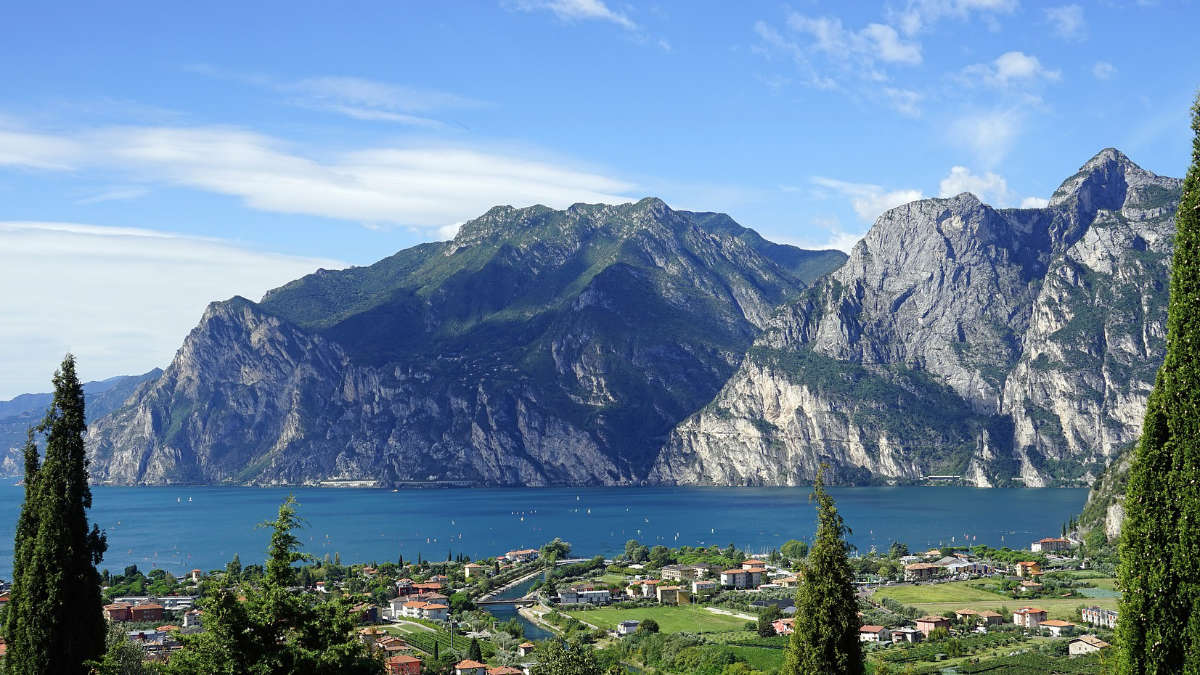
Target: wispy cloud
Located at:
point(1009, 69)
point(577, 10)
point(115, 194)
point(868, 200)
point(1103, 70)
point(917, 15)
point(990, 135)
point(92, 297)
point(1067, 22)
point(355, 97)
point(419, 186)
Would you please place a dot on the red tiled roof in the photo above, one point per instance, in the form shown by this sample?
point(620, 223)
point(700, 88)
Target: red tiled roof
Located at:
point(403, 658)
point(870, 629)
point(468, 663)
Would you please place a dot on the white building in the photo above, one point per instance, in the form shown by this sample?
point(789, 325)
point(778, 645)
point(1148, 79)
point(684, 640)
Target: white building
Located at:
point(1086, 644)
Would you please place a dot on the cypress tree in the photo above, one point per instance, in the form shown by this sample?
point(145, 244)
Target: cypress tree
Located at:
point(826, 626)
point(55, 623)
point(1159, 627)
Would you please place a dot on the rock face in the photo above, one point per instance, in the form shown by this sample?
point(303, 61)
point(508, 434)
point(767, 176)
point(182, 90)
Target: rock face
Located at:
point(998, 346)
point(538, 347)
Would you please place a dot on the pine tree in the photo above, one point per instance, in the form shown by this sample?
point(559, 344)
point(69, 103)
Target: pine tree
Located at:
point(1159, 626)
point(826, 626)
point(55, 622)
point(474, 651)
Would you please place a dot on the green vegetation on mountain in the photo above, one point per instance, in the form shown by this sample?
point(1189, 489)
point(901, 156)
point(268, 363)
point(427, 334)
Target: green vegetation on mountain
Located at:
point(1159, 629)
point(54, 622)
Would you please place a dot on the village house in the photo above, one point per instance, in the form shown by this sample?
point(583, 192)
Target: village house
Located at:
point(418, 609)
point(738, 578)
point(784, 626)
point(196, 575)
point(584, 595)
point(990, 618)
point(505, 670)
point(907, 634)
point(474, 570)
point(1027, 586)
point(673, 595)
point(966, 614)
point(1056, 627)
point(192, 619)
point(320, 586)
point(1029, 617)
point(369, 636)
point(920, 571)
point(628, 627)
point(118, 611)
point(403, 664)
point(150, 611)
point(788, 582)
point(1050, 544)
point(525, 648)
point(469, 667)
point(928, 624)
point(390, 644)
point(523, 555)
point(365, 613)
point(1099, 617)
point(704, 587)
point(677, 572)
point(1086, 644)
point(873, 634)
point(1028, 569)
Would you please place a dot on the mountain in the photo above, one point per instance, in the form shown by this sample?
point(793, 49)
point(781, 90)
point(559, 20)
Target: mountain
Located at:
point(995, 346)
point(538, 347)
point(1105, 506)
point(17, 415)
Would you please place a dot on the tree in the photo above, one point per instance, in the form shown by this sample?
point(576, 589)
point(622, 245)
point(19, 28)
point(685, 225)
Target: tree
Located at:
point(55, 623)
point(121, 655)
point(556, 658)
point(897, 550)
point(648, 625)
point(1159, 572)
point(273, 629)
point(555, 550)
point(766, 619)
point(794, 550)
point(826, 624)
point(233, 570)
point(474, 651)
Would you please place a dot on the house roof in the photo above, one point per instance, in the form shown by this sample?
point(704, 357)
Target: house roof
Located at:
point(1057, 623)
point(932, 619)
point(736, 571)
point(921, 566)
point(148, 605)
point(403, 658)
point(468, 663)
point(870, 629)
point(435, 607)
point(1027, 563)
point(966, 612)
point(1030, 610)
point(526, 645)
point(504, 670)
point(1053, 540)
point(1092, 640)
point(989, 614)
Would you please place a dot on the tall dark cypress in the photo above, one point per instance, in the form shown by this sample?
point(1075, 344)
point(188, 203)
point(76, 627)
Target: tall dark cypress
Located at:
point(56, 623)
point(1158, 629)
point(826, 627)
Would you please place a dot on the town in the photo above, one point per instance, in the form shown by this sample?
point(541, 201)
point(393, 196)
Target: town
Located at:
point(715, 610)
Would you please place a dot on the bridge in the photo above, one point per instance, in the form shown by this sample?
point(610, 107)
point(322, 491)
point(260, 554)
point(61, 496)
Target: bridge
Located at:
point(520, 602)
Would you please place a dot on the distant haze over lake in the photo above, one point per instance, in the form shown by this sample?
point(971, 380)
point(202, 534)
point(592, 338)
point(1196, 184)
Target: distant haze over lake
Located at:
point(160, 527)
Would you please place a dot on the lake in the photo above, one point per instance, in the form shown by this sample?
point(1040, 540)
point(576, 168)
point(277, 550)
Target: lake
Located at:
point(181, 528)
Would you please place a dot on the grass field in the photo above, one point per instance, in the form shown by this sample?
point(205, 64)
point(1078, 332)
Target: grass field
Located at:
point(938, 598)
point(685, 619)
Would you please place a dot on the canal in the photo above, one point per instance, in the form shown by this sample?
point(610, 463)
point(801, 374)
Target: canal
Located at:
point(506, 612)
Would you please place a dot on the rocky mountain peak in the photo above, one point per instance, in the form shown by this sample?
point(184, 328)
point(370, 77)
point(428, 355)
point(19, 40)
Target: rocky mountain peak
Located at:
point(1104, 182)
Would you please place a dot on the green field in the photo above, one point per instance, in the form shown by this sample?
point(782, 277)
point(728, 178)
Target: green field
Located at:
point(685, 619)
point(938, 598)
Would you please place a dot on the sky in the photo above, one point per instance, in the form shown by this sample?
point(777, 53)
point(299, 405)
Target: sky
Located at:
point(158, 156)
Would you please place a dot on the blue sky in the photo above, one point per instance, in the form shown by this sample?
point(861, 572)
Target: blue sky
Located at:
point(163, 156)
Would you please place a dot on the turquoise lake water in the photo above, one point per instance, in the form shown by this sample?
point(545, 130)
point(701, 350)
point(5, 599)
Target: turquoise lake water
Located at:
point(181, 528)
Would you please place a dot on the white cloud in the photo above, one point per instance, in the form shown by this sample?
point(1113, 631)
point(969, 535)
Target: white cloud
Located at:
point(1067, 21)
point(876, 42)
point(920, 14)
point(989, 187)
point(989, 135)
point(355, 97)
point(420, 186)
point(115, 194)
point(577, 10)
point(1103, 70)
point(905, 101)
point(36, 151)
point(1034, 203)
point(869, 201)
point(834, 237)
point(1010, 68)
point(120, 299)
